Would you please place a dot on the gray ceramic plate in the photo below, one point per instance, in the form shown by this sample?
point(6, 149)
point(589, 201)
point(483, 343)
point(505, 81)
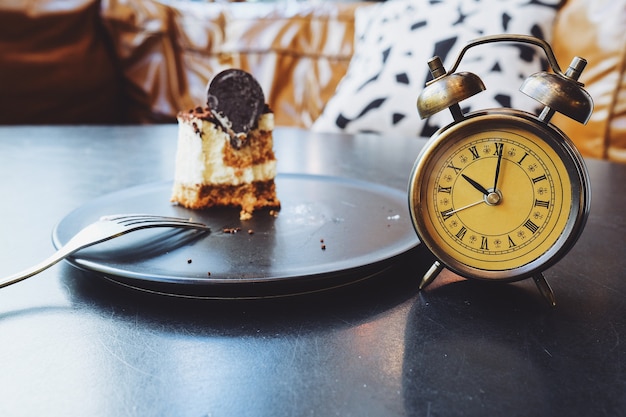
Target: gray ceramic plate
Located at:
point(329, 232)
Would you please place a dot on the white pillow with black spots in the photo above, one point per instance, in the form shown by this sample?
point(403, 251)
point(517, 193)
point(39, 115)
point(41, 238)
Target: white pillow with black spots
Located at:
point(394, 41)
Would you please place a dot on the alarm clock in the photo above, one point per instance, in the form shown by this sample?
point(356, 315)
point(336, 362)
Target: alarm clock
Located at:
point(501, 194)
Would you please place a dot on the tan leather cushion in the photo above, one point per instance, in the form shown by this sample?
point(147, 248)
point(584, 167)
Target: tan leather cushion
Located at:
point(145, 39)
point(596, 31)
point(299, 52)
point(54, 64)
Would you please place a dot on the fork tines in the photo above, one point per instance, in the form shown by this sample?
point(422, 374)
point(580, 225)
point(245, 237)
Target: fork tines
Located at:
point(137, 219)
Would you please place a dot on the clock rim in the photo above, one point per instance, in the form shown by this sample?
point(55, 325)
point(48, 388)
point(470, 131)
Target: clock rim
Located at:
point(553, 137)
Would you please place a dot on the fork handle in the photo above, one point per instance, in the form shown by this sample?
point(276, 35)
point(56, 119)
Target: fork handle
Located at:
point(35, 269)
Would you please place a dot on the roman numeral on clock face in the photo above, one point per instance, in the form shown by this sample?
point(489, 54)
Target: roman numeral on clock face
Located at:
point(523, 157)
point(446, 214)
point(511, 243)
point(499, 148)
point(456, 169)
point(531, 226)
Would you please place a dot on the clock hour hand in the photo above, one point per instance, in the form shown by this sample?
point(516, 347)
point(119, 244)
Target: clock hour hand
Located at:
point(476, 185)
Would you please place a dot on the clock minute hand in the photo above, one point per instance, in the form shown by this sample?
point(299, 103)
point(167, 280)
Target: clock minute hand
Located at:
point(476, 185)
point(495, 180)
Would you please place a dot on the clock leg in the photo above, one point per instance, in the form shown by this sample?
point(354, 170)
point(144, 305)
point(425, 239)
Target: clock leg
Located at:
point(544, 289)
point(430, 275)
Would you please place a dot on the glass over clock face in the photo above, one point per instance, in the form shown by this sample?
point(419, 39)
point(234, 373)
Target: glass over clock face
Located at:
point(496, 197)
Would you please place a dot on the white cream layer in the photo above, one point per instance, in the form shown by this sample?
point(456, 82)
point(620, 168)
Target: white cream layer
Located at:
point(199, 160)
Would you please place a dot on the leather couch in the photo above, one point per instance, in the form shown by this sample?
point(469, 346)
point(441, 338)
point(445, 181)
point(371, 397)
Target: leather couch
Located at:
point(141, 61)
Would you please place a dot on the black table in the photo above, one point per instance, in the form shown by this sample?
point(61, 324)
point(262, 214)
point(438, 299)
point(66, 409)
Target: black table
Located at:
point(74, 344)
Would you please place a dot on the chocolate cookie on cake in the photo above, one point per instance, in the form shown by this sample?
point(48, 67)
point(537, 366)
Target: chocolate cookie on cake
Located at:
point(225, 153)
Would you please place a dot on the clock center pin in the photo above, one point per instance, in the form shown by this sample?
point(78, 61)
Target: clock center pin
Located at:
point(493, 198)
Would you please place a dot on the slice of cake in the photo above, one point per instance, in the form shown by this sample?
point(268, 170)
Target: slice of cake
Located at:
point(225, 153)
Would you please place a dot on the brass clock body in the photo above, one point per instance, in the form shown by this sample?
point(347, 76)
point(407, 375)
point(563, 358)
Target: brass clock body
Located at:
point(499, 195)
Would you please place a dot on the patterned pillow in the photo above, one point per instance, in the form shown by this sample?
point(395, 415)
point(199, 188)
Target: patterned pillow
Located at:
point(394, 40)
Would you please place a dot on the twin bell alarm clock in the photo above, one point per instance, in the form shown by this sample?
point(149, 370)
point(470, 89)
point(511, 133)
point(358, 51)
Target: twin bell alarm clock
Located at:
point(501, 194)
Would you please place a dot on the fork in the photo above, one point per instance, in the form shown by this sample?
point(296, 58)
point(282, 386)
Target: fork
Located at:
point(106, 228)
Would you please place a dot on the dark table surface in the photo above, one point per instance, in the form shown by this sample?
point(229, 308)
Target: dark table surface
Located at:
point(75, 344)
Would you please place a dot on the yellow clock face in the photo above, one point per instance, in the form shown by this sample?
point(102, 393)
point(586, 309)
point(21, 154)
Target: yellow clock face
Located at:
point(493, 197)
